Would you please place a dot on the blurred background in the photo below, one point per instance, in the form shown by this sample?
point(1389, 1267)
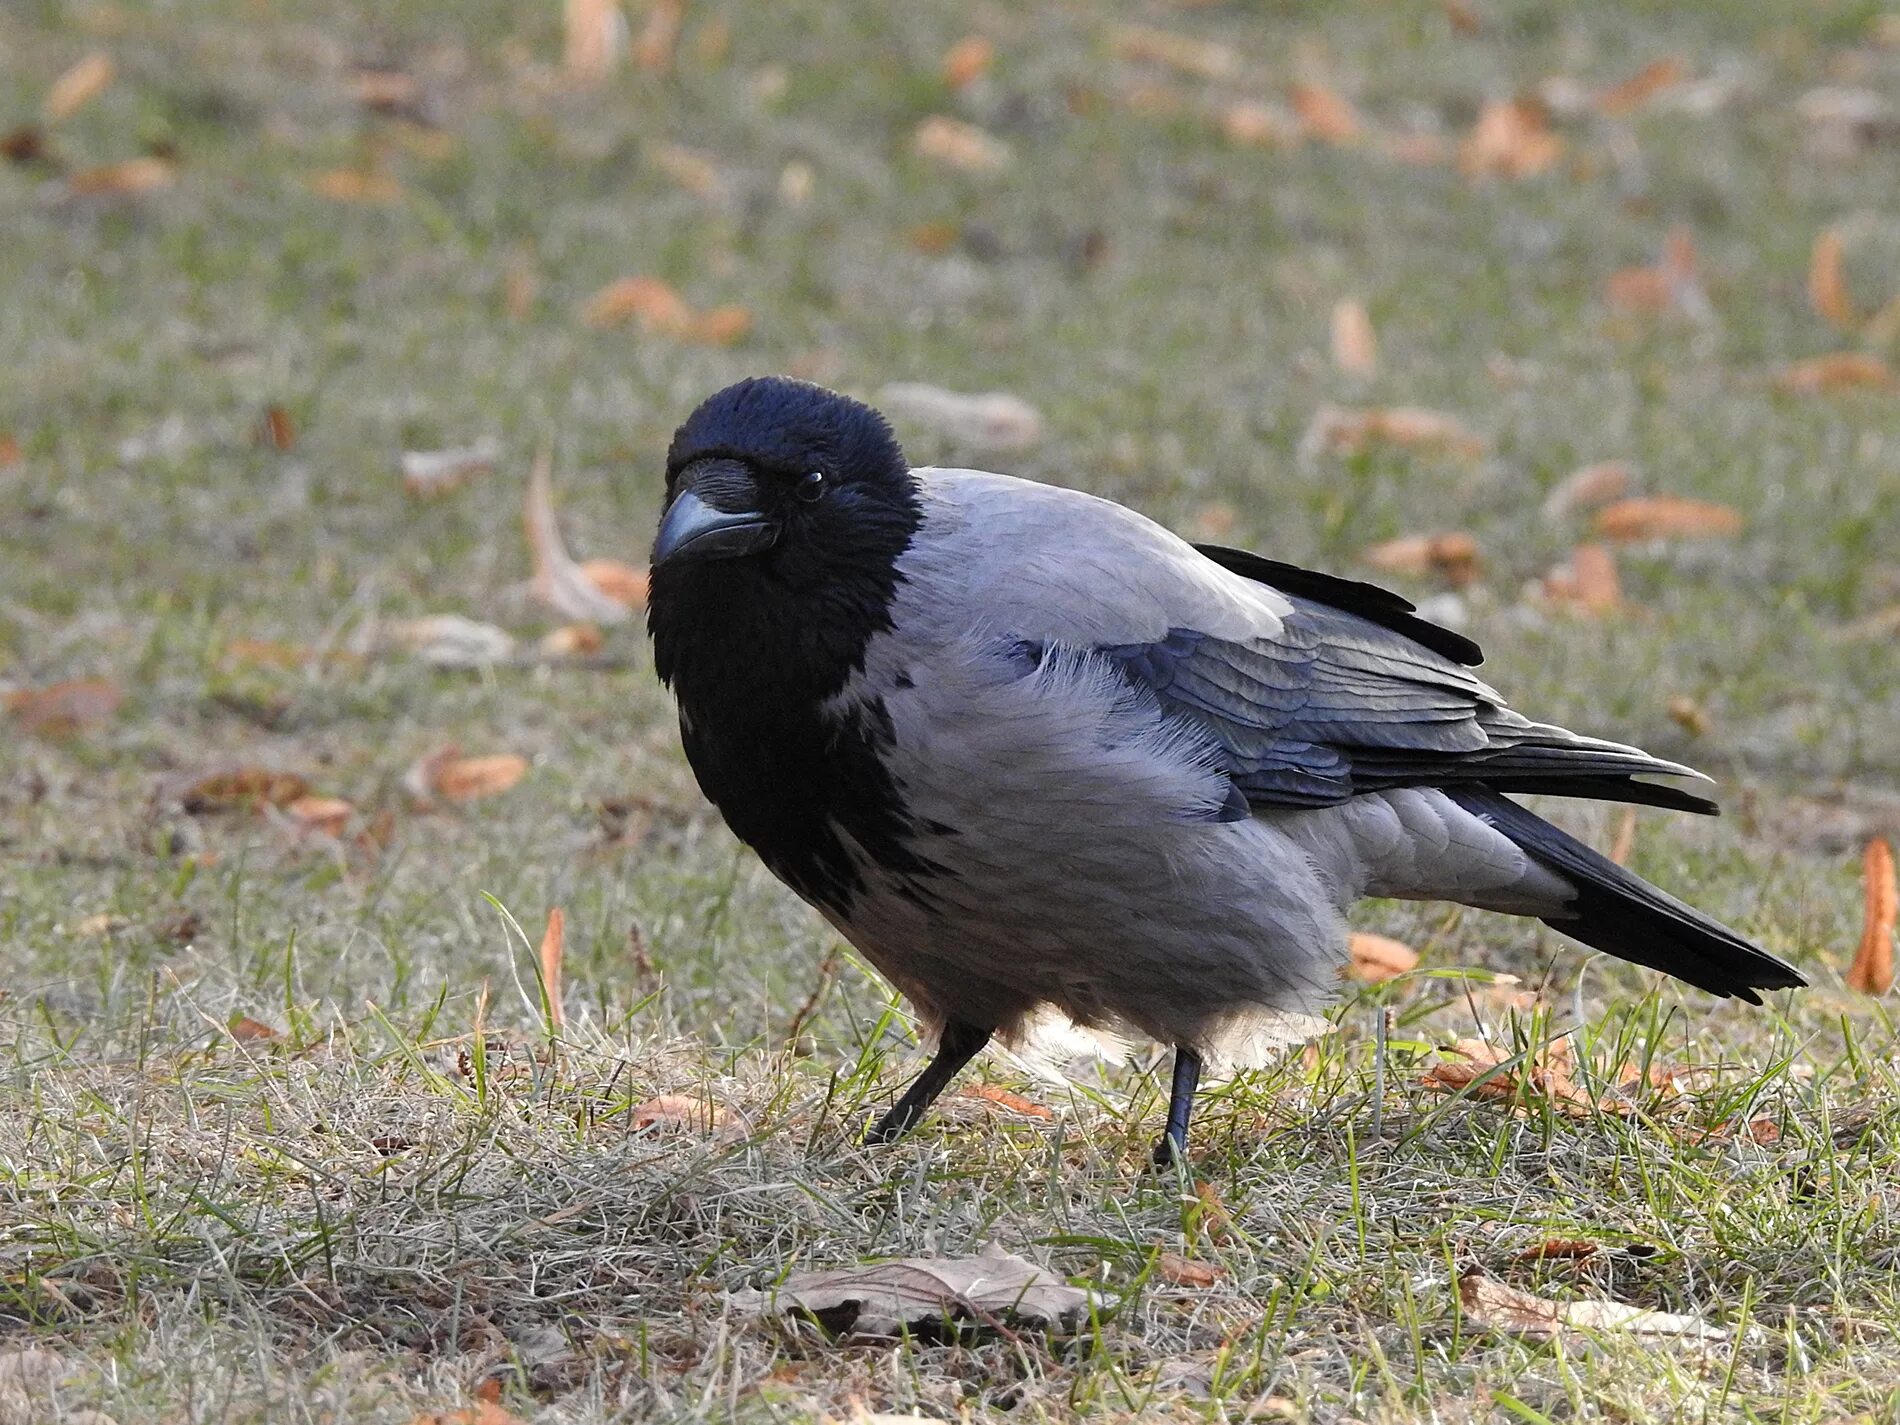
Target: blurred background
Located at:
point(1574, 324)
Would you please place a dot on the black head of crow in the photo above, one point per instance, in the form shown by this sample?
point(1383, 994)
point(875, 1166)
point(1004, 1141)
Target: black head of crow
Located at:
point(1029, 752)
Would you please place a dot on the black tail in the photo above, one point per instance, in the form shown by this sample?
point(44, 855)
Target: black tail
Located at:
point(1626, 916)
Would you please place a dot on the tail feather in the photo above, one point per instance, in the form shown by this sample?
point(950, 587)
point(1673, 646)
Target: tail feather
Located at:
point(1624, 915)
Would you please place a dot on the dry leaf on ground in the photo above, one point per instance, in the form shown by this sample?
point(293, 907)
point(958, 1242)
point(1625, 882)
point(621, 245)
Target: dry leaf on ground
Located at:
point(595, 37)
point(623, 583)
point(1689, 715)
point(1511, 139)
point(10, 453)
point(354, 185)
point(1249, 124)
point(553, 951)
point(453, 777)
point(1624, 842)
point(1667, 517)
point(1837, 371)
point(967, 61)
point(1827, 282)
point(1355, 346)
point(559, 582)
point(571, 640)
point(1003, 1098)
point(1325, 115)
point(659, 37)
point(1376, 958)
point(64, 708)
point(1453, 555)
point(78, 87)
point(128, 178)
point(659, 309)
point(485, 1412)
point(678, 1112)
point(240, 788)
point(1146, 44)
point(1342, 430)
point(1589, 486)
point(995, 420)
point(449, 640)
point(1490, 1303)
point(1565, 1249)
point(326, 816)
point(1674, 284)
point(1586, 581)
point(960, 145)
point(1177, 1270)
point(1642, 86)
point(884, 1300)
point(251, 1031)
point(1872, 970)
point(428, 473)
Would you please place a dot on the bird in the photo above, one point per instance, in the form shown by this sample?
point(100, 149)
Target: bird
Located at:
point(1034, 755)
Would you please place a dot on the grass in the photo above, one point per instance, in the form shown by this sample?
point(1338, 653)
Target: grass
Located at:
point(410, 1188)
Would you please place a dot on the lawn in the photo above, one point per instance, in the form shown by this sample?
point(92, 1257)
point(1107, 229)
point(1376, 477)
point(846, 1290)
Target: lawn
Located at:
point(289, 1129)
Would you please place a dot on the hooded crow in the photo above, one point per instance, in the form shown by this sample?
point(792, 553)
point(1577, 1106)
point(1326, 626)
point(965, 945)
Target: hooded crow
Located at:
point(1029, 751)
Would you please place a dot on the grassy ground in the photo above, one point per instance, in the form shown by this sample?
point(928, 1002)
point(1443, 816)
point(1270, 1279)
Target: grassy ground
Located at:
point(350, 1219)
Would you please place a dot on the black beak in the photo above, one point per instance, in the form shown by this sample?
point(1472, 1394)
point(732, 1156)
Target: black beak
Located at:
point(714, 515)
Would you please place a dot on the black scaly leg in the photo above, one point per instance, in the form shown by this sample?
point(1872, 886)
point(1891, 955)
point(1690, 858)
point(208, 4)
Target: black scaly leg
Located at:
point(958, 1045)
point(1187, 1078)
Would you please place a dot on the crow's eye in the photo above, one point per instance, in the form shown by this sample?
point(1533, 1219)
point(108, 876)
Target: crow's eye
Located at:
point(812, 487)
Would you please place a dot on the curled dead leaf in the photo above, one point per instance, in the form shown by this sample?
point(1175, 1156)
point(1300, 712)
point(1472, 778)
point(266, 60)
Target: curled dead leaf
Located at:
point(623, 583)
point(595, 38)
point(1567, 1249)
point(553, 951)
point(246, 1030)
point(960, 145)
point(1667, 517)
point(659, 309)
point(685, 1113)
point(456, 778)
point(79, 86)
point(1642, 86)
point(65, 708)
point(1003, 1098)
point(927, 1295)
point(1872, 970)
point(1355, 346)
point(1674, 284)
point(1177, 1270)
point(659, 37)
point(967, 61)
point(9, 449)
point(1492, 1305)
point(429, 473)
point(571, 640)
point(1145, 44)
point(1827, 281)
point(1511, 139)
point(130, 178)
point(995, 420)
point(1454, 556)
point(1837, 371)
point(1324, 114)
point(239, 788)
point(1342, 430)
point(1589, 486)
point(1377, 958)
point(326, 816)
point(1586, 581)
point(559, 582)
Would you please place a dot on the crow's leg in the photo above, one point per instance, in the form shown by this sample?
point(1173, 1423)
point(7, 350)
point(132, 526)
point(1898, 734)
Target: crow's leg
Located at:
point(1187, 1078)
point(957, 1045)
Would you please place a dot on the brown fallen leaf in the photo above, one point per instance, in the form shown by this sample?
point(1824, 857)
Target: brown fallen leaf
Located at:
point(1478, 1066)
point(1355, 346)
point(623, 583)
point(239, 788)
point(103, 923)
point(648, 300)
point(326, 816)
point(690, 169)
point(387, 91)
point(886, 1300)
point(995, 420)
point(1145, 44)
point(553, 950)
point(1624, 841)
point(1347, 431)
point(1689, 715)
point(684, 1113)
point(26, 144)
point(1003, 1098)
point(1177, 1270)
point(1642, 86)
point(1494, 1306)
point(967, 61)
point(354, 185)
point(450, 640)
point(65, 708)
point(9, 449)
point(1872, 970)
point(246, 1030)
point(1511, 139)
point(571, 640)
point(1567, 1249)
point(559, 582)
point(483, 1412)
point(1827, 282)
point(1376, 958)
point(1674, 284)
point(1452, 555)
point(659, 37)
point(1837, 371)
point(1587, 487)
point(1462, 16)
point(594, 39)
point(1248, 124)
point(960, 145)
point(933, 239)
point(1667, 517)
point(1586, 581)
point(456, 778)
point(1325, 115)
point(276, 429)
point(429, 473)
point(129, 178)
point(78, 87)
